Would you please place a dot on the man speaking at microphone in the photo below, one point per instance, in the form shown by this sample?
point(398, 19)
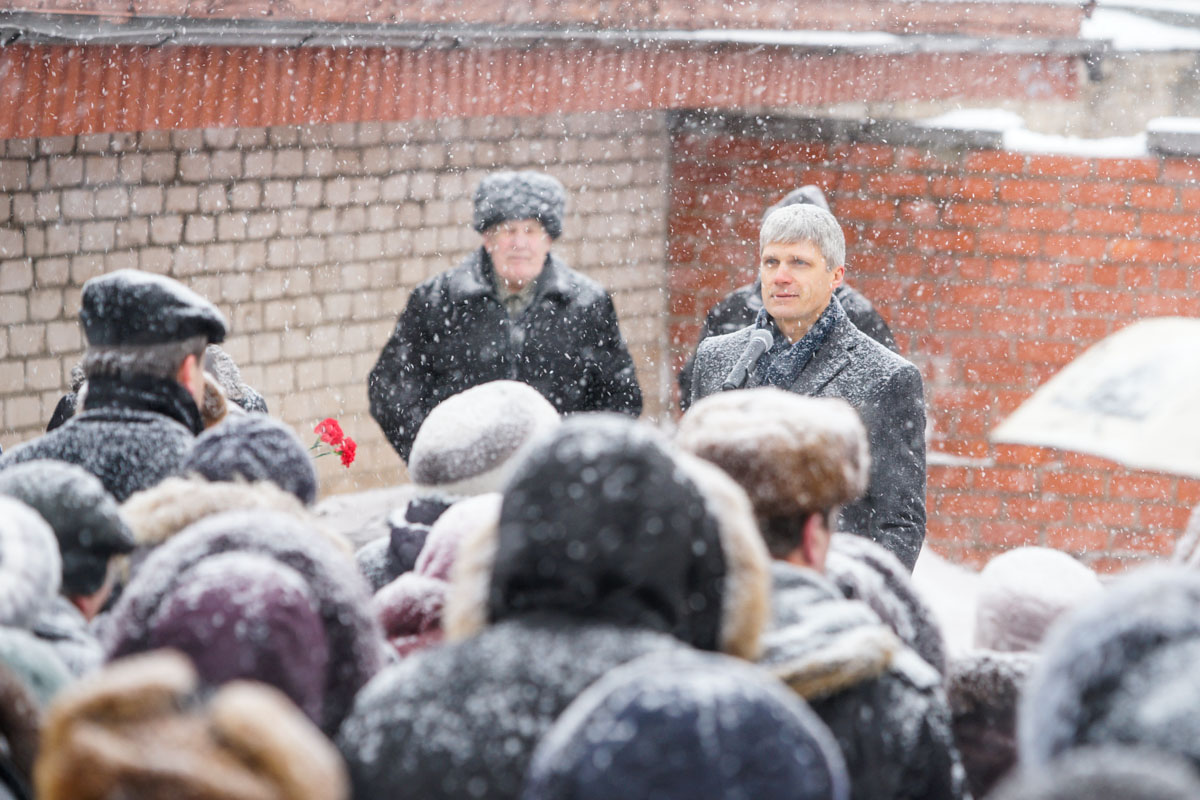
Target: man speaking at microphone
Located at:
point(803, 342)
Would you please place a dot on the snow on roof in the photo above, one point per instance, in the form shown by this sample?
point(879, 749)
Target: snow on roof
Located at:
point(1133, 32)
point(1174, 125)
point(1019, 139)
point(1173, 6)
point(785, 38)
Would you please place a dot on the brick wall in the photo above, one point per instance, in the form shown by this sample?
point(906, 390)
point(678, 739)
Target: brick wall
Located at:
point(995, 269)
point(309, 239)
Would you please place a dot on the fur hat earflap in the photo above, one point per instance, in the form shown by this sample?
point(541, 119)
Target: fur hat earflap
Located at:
point(792, 454)
point(504, 196)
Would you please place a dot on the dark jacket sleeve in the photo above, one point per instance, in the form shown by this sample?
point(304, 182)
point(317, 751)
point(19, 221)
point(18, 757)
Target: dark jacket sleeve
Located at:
point(614, 384)
point(893, 512)
point(398, 385)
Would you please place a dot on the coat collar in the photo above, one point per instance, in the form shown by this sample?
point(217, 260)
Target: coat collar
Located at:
point(479, 278)
point(830, 359)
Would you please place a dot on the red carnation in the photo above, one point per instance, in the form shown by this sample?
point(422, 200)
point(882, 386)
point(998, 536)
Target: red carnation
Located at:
point(347, 451)
point(330, 432)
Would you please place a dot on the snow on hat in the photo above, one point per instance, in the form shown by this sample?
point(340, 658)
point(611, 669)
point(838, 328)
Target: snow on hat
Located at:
point(247, 616)
point(84, 516)
point(1112, 772)
point(254, 447)
point(697, 726)
point(792, 454)
point(471, 442)
point(809, 194)
point(1120, 669)
point(30, 564)
point(504, 196)
point(224, 369)
point(142, 728)
point(1023, 591)
point(131, 307)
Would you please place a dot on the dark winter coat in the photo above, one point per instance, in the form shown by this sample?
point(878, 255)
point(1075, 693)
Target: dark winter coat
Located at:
point(455, 333)
point(688, 725)
point(740, 307)
point(131, 434)
point(354, 639)
point(886, 707)
point(1119, 670)
point(605, 551)
point(383, 560)
point(886, 391)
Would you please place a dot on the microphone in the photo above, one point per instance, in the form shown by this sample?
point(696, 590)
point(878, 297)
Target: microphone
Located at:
point(760, 341)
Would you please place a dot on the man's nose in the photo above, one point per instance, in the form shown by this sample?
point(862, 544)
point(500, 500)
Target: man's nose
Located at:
point(783, 276)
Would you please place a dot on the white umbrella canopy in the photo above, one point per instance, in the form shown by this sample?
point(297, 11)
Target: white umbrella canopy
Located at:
point(1133, 398)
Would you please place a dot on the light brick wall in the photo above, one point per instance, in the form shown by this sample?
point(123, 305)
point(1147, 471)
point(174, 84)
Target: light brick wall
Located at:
point(310, 240)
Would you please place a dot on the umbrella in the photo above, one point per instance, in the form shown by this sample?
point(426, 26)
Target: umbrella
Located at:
point(1133, 398)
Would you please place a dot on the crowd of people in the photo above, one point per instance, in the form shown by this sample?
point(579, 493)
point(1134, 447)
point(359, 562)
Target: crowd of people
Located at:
point(571, 603)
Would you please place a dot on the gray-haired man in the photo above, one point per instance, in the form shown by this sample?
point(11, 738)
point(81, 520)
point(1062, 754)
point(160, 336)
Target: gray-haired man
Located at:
point(815, 350)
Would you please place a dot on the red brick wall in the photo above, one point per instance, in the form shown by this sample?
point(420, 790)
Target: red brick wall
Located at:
point(994, 269)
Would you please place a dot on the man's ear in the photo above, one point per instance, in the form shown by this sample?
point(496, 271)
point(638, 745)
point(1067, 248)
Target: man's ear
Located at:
point(815, 543)
point(191, 377)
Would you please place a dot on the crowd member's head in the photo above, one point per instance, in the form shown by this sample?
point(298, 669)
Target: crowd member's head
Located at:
point(261, 595)
point(708, 728)
point(802, 259)
point(146, 728)
point(86, 521)
point(798, 459)
point(221, 366)
point(254, 447)
point(1120, 670)
point(809, 194)
point(138, 324)
point(1112, 772)
point(984, 689)
point(519, 215)
point(1023, 591)
point(30, 564)
point(865, 570)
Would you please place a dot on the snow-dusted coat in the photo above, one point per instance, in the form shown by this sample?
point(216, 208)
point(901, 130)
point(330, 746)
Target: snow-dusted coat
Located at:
point(455, 333)
point(984, 688)
point(1119, 670)
point(688, 725)
point(886, 707)
point(131, 434)
point(886, 391)
point(605, 552)
point(355, 642)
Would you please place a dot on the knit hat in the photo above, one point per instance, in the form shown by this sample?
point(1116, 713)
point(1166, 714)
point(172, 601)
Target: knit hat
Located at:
point(85, 518)
point(471, 442)
point(1022, 592)
point(248, 616)
point(130, 307)
point(30, 565)
point(809, 194)
point(504, 196)
point(141, 729)
point(709, 728)
point(254, 447)
point(792, 454)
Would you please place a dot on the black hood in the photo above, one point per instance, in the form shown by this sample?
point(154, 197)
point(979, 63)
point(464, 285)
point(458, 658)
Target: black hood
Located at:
point(600, 522)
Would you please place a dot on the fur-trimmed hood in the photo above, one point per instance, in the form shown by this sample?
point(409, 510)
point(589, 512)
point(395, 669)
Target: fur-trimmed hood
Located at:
point(719, 536)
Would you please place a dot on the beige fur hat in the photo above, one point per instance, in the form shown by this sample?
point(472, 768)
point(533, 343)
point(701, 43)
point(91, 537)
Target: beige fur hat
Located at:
point(792, 454)
point(138, 729)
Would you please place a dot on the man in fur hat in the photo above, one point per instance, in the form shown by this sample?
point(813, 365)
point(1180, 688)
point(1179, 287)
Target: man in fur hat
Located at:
point(510, 310)
point(144, 364)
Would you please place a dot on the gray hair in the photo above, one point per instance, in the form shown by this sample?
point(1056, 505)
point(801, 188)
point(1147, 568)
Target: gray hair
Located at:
point(806, 223)
point(155, 360)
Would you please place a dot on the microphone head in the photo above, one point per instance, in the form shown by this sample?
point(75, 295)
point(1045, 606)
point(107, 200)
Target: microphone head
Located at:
point(763, 336)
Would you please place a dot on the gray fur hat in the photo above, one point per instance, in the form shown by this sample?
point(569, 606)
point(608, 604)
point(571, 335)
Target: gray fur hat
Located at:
point(85, 518)
point(504, 196)
point(1121, 669)
point(471, 442)
point(130, 307)
point(254, 447)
